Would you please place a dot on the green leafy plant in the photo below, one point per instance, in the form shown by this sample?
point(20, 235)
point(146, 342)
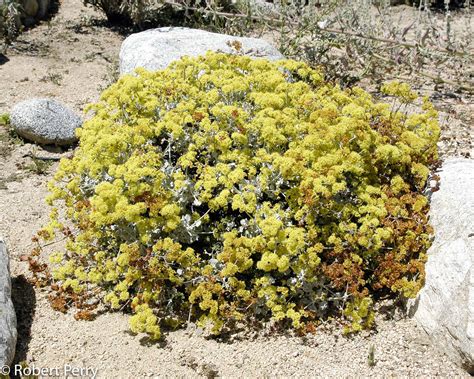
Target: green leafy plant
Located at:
point(371, 356)
point(226, 190)
point(4, 119)
point(11, 136)
point(39, 166)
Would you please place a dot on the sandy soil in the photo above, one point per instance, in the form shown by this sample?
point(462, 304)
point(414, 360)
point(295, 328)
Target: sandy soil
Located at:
point(72, 58)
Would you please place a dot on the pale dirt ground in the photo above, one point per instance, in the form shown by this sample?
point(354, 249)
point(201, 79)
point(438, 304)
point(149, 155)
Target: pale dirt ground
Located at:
point(72, 58)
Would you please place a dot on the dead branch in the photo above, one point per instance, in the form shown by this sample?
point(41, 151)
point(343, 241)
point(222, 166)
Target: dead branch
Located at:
point(279, 21)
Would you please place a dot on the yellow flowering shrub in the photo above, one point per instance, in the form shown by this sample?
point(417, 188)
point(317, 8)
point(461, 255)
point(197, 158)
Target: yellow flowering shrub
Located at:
point(224, 189)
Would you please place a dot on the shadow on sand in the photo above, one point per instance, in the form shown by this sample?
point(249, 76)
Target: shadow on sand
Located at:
point(24, 301)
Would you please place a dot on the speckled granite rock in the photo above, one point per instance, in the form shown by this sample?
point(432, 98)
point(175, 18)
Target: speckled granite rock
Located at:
point(45, 121)
point(155, 49)
point(445, 306)
point(8, 333)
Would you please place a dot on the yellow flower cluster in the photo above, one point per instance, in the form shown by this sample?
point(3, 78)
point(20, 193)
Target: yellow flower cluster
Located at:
point(226, 189)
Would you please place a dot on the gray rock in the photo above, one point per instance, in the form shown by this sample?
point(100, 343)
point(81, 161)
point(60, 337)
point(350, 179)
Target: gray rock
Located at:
point(155, 49)
point(445, 306)
point(8, 333)
point(45, 121)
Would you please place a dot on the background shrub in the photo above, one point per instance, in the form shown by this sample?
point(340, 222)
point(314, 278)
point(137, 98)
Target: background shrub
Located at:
point(10, 23)
point(353, 40)
point(227, 190)
point(148, 13)
point(441, 4)
point(123, 12)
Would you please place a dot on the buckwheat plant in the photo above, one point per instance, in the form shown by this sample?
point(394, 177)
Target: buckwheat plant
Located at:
point(229, 190)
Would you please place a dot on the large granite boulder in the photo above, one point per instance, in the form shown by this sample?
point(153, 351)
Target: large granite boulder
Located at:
point(45, 121)
point(445, 306)
point(155, 49)
point(8, 333)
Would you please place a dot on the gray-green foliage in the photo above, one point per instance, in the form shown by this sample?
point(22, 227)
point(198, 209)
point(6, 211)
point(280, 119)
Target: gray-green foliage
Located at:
point(371, 39)
point(10, 23)
point(128, 11)
point(142, 13)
